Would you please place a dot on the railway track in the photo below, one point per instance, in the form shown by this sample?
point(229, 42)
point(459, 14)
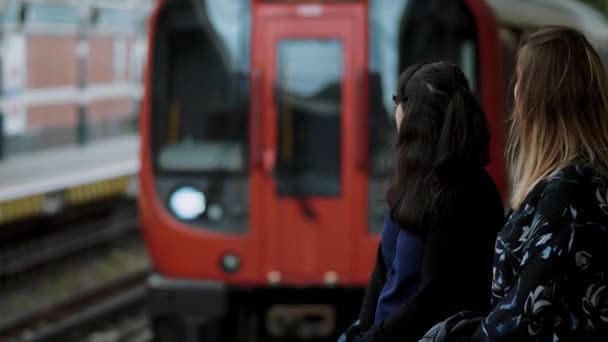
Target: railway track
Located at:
point(29, 244)
point(134, 329)
point(78, 282)
point(82, 314)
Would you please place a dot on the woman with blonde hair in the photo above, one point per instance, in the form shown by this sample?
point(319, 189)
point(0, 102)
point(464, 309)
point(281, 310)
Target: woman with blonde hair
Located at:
point(550, 278)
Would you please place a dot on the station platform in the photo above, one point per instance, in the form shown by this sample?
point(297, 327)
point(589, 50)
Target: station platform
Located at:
point(45, 182)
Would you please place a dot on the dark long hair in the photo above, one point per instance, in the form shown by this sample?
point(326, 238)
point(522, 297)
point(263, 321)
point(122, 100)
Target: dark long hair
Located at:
point(443, 132)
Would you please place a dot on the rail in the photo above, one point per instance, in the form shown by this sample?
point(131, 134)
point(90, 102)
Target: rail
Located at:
point(64, 280)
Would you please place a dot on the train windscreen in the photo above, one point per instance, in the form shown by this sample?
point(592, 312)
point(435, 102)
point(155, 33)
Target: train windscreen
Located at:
point(204, 127)
point(403, 33)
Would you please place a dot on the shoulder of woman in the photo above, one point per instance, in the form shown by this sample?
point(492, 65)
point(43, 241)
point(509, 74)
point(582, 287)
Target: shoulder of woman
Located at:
point(472, 212)
point(474, 191)
point(567, 183)
point(571, 186)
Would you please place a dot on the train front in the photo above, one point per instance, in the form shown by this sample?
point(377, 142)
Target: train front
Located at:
point(264, 153)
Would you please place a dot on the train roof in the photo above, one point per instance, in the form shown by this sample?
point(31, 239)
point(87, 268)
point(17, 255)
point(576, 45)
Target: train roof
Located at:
point(536, 13)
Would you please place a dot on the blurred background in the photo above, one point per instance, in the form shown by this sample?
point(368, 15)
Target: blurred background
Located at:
point(601, 5)
point(71, 71)
point(219, 193)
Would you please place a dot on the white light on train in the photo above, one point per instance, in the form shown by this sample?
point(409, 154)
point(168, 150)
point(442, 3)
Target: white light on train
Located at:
point(187, 203)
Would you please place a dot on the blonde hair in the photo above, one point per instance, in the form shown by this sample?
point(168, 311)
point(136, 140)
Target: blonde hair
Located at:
point(560, 110)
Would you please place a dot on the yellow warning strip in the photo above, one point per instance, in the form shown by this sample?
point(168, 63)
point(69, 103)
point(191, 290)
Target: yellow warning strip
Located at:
point(26, 207)
point(21, 208)
point(97, 191)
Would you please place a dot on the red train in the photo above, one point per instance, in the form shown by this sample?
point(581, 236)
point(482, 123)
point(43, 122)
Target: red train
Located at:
point(264, 147)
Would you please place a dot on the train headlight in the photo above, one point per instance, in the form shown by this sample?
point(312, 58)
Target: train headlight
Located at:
point(187, 203)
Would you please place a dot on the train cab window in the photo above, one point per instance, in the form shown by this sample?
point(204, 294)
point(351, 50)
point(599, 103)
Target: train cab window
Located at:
point(440, 30)
point(403, 33)
point(204, 126)
point(308, 100)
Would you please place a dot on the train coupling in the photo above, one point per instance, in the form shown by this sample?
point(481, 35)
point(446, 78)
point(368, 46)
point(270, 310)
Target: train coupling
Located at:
point(301, 321)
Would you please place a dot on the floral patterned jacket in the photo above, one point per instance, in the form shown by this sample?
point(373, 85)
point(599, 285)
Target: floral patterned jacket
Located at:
point(550, 278)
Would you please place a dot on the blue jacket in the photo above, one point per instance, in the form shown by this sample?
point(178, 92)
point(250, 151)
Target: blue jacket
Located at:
point(418, 282)
point(402, 254)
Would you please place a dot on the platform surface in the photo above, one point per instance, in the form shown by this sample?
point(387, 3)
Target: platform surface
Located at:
point(58, 169)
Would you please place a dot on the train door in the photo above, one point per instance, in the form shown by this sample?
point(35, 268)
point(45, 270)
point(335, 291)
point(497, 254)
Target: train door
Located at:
point(308, 62)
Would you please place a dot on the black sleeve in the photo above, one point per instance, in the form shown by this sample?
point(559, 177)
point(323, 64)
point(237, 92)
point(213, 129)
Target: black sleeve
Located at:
point(370, 300)
point(456, 275)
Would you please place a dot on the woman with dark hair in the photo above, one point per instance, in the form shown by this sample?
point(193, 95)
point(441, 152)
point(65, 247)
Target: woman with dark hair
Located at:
point(444, 211)
point(551, 257)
